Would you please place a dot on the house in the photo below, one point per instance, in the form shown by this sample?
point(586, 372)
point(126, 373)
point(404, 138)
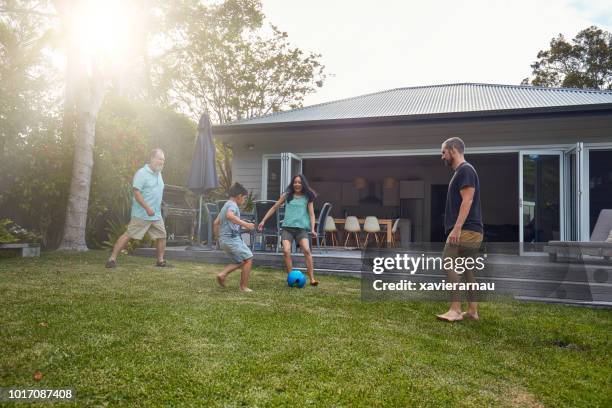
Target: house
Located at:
point(544, 156)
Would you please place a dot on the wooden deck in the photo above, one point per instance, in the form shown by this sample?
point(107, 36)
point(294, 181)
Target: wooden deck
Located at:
point(526, 277)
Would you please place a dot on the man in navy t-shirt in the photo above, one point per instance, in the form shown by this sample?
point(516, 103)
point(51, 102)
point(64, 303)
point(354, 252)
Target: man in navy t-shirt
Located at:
point(462, 222)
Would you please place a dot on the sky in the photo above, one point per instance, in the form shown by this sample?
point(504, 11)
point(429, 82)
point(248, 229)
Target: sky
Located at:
point(370, 46)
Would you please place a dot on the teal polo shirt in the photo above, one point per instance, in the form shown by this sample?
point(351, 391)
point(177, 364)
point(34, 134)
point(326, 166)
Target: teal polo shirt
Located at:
point(151, 186)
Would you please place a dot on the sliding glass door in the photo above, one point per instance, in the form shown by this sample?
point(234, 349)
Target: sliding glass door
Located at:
point(598, 186)
point(279, 170)
point(291, 165)
point(574, 192)
point(271, 187)
point(540, 199)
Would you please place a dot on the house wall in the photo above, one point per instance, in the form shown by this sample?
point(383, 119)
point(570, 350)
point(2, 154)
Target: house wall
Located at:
point(484, 133)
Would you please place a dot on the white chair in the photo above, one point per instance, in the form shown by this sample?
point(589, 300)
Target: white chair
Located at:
point(330, 228)
point(371, 226)
point(394, 233)
point(351, 226)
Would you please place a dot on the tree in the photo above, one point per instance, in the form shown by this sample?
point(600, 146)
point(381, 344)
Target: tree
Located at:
point(225, 62)
point(26, 78)
point(28, 86)
point(89, 99)
point(586, 62)
point(191, 56)
point(88, 77)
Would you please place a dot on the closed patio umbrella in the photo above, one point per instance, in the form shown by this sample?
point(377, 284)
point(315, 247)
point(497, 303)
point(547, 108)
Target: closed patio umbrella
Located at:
point(203, 173)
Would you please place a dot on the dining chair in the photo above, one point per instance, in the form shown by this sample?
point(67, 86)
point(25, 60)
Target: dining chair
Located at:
point(351, 226)
point(371, 226)
point(330, 228)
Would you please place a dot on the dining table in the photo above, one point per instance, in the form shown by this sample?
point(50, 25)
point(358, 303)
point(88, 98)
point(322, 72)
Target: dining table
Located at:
point(381, 221)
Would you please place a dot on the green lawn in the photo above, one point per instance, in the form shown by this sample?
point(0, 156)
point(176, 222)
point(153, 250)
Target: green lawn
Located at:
point(145, 336)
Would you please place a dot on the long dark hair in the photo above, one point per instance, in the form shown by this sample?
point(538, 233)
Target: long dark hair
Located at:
point(306, 190)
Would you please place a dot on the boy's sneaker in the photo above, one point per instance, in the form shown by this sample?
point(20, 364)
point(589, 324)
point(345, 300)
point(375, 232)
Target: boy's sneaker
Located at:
point(111, 264)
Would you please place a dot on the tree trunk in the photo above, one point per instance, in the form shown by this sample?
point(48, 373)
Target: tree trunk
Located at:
point(88, 105)
point(78, 200)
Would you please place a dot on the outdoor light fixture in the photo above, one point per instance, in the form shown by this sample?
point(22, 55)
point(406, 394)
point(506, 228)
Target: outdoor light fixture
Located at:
point(360, 183)
point(250, 146)
point(390, 182)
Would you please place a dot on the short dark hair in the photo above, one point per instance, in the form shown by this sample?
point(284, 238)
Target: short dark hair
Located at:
point(237, 189)
point(154, 152)
point(455, 143)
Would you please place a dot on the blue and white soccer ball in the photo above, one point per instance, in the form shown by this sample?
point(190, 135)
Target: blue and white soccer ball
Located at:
point(296, 279)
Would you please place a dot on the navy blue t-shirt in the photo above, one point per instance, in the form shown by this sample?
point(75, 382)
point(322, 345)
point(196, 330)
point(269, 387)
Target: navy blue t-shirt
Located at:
point(464, 176)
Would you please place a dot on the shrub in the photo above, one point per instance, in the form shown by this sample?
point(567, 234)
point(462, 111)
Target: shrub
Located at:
point(11, 233)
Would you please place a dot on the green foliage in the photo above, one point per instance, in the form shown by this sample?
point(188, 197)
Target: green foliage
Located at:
point(224, 156)
point(160, 127)
point(125, 132)
point(249, 204)
point(28, 82)
point(6, 237)
point(11, 232)
point(225, 62)
point(215, 56)
point(29, 148)
point(586, 62)
point(39, 177)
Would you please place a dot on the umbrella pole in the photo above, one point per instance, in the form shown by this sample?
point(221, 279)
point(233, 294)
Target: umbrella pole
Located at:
point(200, 222)
point(199, 246)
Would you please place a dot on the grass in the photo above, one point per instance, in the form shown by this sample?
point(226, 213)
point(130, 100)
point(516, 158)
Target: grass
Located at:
point(145, 336)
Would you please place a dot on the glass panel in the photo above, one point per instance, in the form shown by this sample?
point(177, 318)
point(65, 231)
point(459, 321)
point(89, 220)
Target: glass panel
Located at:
point(600, 184)
point(274, 181)
point(541, 203)
point(296, 167)
point(572, 197)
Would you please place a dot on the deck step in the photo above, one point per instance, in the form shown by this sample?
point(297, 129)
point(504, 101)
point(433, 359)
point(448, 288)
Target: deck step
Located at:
point(527, 278)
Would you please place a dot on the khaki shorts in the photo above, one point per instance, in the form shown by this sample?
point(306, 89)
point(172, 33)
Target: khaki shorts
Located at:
point(138, 227)
point(468, 245)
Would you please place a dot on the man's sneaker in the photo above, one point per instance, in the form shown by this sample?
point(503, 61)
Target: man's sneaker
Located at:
point(111, 264)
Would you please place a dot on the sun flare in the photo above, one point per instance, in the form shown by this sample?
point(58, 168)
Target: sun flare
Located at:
point(103, 29)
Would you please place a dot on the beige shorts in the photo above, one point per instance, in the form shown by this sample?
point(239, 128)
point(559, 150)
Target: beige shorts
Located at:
point(138, 227)
point(468, 245)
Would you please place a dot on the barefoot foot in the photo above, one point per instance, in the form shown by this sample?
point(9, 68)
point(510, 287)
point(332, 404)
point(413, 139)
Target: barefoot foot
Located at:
point(450, 316)
point(221, 280)
point(246, 290)
point(470, 315)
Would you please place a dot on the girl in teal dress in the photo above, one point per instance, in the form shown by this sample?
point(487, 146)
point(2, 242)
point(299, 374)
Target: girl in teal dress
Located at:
point(298, 223)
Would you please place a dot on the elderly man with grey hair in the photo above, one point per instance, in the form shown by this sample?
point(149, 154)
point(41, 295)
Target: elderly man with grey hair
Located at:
point(462, 223)
point(148, 186)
